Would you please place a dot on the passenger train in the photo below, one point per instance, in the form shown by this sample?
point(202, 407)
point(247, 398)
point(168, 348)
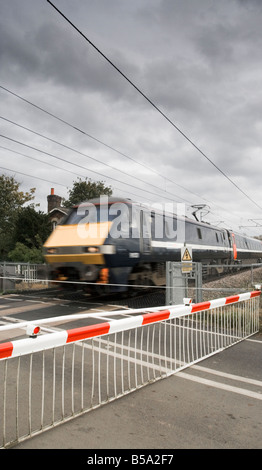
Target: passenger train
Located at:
point(119, 243)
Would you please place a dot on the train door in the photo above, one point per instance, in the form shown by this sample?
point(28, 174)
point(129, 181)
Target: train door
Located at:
point(145, 232)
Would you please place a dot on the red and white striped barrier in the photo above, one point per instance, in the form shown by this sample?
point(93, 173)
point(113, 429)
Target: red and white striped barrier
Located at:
point(51, 340)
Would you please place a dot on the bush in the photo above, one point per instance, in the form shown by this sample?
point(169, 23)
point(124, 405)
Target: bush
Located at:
point(22, 254)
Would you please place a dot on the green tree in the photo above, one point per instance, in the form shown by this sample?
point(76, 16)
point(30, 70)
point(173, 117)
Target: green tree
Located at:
point(86, 189)
point(32, 228)
point(11, 200)
point(23, 254)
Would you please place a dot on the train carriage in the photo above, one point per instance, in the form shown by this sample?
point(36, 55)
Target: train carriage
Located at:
point(119, 242)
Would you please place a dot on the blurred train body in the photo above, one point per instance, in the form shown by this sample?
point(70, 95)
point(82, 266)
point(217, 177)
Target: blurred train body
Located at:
point(120, 243)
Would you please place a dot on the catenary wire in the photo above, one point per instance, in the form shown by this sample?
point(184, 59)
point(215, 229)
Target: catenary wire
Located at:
point(106, 145)
point(37, 177)
point(101, 142)
point(80, 166)
point(70, 148)
point(63, 145)
point(57, 167)
point(52, 140)
point(87, 156)
point(63, 169)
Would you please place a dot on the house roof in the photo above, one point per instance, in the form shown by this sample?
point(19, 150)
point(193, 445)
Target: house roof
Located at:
point(63, 210)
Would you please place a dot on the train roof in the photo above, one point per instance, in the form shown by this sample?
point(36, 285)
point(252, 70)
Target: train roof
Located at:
point(115, 200)
point(104, 199)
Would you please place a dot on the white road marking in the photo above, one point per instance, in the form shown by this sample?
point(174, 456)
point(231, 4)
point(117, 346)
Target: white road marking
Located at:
point(254, 340)
point(228, 376)
point(222, 386)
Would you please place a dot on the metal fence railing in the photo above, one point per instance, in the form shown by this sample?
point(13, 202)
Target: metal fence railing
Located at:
point(15, 276)
point(54, 377)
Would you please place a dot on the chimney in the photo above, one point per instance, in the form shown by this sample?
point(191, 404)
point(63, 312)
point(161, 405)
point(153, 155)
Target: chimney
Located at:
point(53, 201)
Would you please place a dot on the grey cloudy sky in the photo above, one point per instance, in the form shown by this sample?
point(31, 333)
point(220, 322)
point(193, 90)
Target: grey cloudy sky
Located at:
point(198, 61)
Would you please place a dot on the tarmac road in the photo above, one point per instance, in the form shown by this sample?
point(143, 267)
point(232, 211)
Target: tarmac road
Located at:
point(194, 409)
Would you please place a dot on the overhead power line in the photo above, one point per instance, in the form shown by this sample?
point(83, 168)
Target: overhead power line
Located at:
point(57, 167)
point(87, 156)
point(106, 145)
point(152, 103)
point(36, 177)
point(101, 142)
point(126, 191)
point(81, 166)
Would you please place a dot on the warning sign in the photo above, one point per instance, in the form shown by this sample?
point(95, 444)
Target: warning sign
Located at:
point(186, 258)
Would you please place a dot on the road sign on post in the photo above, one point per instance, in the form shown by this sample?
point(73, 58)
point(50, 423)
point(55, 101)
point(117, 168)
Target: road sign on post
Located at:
point(186, 259)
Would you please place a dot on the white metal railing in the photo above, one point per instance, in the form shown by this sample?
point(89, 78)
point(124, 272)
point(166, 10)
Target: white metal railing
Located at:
point(54, 377)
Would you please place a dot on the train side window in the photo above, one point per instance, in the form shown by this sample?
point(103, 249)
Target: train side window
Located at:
point(199, 233)
point(217, 237)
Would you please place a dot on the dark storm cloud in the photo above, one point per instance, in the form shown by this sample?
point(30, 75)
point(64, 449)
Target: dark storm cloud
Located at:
point(199, 61)
point(50, 52)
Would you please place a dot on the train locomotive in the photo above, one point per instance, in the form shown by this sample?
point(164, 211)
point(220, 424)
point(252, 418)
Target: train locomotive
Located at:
point(111, 244)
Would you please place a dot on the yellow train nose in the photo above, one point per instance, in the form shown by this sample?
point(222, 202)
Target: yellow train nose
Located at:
point(81, 243)
point(78, 235)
